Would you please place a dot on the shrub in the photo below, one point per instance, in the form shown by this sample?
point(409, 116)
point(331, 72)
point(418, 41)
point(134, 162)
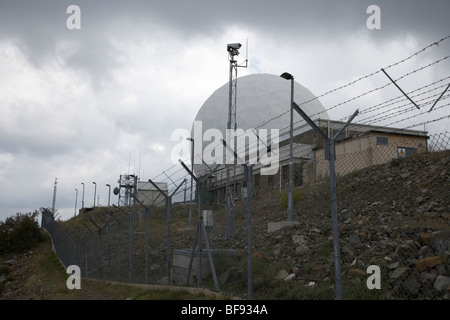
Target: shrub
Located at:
point(284, 197)
point(19, 233)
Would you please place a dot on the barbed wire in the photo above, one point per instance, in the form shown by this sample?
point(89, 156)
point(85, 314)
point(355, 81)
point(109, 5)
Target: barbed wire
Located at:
point(357, 80)
point(402, 97)
point(397, 108)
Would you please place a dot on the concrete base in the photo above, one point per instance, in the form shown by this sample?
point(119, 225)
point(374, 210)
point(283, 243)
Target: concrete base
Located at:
point(275, 226)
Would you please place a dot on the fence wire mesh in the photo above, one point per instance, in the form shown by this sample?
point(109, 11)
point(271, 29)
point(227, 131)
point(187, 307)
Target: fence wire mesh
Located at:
point(393, 222)
point(392, 197)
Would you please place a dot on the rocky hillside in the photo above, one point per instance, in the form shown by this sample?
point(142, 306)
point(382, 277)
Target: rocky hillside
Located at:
point(395, 216)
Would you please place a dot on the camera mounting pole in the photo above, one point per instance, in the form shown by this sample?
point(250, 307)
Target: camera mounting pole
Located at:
point(233, 51)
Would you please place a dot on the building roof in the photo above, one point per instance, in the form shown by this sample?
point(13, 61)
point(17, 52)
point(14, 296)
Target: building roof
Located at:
point(147, 186)
point(357, 129)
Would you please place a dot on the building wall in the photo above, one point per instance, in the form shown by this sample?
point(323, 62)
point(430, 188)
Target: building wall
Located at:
point(147, 197)
point(352, 154)
point(364, 151)
point(278, 181)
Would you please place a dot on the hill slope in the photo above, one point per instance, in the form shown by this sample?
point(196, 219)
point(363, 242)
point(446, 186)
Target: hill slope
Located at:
point(395, 216)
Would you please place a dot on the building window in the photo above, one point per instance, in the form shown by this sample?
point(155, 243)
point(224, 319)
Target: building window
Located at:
point(256, 179)
point(340, 137)
point(270, 180)
point(382, 141)
point(403, 152)
point(285, 172)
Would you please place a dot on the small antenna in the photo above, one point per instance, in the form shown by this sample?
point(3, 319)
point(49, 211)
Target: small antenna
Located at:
point(246, 56)
point(129, 160)
point(246, 53)
point(140, 158)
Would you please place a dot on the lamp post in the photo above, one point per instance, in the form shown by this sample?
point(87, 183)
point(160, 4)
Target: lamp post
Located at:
point(54, 196)
point(192, 169)
point(95, 192)
point(76, 199)
point(289, 76)
point(82, 198)
point(109, 193)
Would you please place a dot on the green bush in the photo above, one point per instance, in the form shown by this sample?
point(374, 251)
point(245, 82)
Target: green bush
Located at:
point(19, 233)
point(284, 197)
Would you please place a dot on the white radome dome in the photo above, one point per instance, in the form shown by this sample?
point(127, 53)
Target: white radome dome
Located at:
point(262, 102)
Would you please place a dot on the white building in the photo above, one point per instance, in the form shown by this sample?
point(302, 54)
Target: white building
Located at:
point(263, 102)
point(149, 195)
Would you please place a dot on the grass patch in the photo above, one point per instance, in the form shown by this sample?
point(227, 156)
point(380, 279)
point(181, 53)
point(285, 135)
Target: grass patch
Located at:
point(170, 294)
point(326, 249)
point(296, 197)
point(46, 279)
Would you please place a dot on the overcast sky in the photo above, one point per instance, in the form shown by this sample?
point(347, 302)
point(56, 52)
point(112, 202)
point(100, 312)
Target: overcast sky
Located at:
point(85, 105)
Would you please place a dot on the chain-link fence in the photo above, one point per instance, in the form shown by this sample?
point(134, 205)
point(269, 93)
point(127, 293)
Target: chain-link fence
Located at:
point(394, 233)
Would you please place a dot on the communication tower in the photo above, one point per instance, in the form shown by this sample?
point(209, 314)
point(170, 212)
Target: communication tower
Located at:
point(127, 189)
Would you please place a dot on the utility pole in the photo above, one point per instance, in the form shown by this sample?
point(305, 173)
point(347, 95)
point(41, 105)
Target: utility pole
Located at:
point(290, 77)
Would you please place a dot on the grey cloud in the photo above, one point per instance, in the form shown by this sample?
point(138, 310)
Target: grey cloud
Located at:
point(41, 24)
point(315, 31)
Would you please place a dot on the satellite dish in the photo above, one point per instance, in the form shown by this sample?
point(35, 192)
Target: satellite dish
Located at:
point(116, 191)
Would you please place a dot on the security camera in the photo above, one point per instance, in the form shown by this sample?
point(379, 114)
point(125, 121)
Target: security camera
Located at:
point(233, 48)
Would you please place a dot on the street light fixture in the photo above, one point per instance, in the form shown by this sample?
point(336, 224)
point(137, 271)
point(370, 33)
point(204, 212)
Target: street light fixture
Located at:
point(82, 198)
point(289, 76)
point(95, 192)
point(109, 193)
point(76, 199)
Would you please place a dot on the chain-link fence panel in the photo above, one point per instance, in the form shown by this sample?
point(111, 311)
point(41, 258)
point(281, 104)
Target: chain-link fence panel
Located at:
point(393, 217)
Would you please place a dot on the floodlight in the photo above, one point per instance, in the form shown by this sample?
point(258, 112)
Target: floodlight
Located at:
point(287, 76)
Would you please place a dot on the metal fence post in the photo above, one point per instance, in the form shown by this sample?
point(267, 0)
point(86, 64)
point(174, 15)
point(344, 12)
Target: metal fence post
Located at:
point(119, 236)
point(201, 228)
point(168, 206)
point(248, 174)
point(334, 220)
point(130, 239)
point(330, 155)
